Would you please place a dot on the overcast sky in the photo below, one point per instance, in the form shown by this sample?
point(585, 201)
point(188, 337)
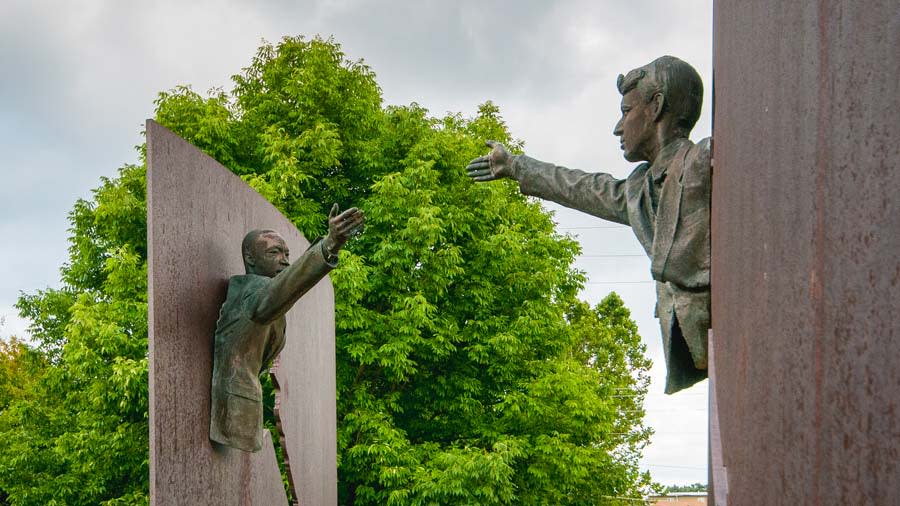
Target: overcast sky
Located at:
point(79, 79)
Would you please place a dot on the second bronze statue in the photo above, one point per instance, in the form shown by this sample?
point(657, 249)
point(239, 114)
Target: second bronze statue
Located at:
point(665, 200)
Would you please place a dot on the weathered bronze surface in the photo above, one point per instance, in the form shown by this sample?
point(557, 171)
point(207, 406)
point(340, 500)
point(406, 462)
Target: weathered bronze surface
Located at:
point(665, 200)
point(251, 325)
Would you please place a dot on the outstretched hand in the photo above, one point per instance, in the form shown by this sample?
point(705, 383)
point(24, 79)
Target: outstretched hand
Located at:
point(494, 165)
point(343, 226)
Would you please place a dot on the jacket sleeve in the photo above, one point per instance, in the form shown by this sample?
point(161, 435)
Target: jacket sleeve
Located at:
point(597, 194)
point(290, 284)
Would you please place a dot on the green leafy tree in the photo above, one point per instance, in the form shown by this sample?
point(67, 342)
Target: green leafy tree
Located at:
point(468, 370)
point(78, 434)
point(19, 366)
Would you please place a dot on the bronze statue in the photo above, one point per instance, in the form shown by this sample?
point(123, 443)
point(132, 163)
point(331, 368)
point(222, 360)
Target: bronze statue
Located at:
point(250, 329)
point(665, 200)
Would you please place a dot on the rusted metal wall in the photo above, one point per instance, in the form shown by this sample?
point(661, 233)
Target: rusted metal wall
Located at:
point(198, 213)
point(806, 250)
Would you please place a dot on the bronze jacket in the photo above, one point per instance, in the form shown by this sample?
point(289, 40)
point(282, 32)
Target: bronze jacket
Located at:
point(675, 236)
point(249, 335)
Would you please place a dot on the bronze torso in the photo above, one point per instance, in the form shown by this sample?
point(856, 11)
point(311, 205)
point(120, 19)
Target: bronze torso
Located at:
point(249, 335)
point(666, 204)
point(242, 349)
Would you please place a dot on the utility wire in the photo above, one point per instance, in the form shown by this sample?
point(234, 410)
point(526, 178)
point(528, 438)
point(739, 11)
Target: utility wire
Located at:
point(674, 467)
point(616, 282)
point(597, 227)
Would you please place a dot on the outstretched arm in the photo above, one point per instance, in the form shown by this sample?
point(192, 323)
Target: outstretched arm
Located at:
point(597, 194)
point(298, 278)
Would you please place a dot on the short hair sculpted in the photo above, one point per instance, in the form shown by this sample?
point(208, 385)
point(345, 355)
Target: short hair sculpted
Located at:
point(678, 82)
point(250, 241)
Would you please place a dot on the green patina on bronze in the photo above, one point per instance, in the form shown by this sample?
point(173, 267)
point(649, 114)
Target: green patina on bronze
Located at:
point(665, 200)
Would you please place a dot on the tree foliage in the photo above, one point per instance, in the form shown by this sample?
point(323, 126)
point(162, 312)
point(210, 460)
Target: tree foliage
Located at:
point(78, 433)
point(468, 370)
point(694, 487)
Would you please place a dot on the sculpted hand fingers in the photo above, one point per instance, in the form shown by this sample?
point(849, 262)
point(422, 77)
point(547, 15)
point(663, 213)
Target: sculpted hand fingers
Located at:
point(477, 166)
point(357, 230)
point(484, 178)
point(479, 173)
point(352, 221)
point(479, 159)
point(491, 144)
point(345, 227)
point(348, 214)
point(334, 211)
point(345, 217)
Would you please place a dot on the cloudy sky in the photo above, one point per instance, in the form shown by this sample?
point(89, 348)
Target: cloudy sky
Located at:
point(79, 77)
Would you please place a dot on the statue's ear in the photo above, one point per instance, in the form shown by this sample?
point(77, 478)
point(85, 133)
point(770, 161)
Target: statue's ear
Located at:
point(249, 260)
point(658, 103)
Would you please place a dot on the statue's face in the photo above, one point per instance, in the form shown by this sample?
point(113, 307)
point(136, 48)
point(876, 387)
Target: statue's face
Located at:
point(270, 255)
point(636, 128)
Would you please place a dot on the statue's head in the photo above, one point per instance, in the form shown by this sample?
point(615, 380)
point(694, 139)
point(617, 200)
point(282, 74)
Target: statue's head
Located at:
point(265, 253)
point(666, 93)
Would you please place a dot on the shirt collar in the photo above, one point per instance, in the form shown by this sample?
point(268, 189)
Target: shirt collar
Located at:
point(664, 158)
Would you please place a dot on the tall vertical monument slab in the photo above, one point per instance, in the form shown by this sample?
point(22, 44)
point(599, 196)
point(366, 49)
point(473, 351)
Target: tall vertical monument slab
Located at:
point(198, 213)
point(806, 251)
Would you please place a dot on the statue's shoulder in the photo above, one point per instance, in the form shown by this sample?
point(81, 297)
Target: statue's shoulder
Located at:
point(242, 285)
point(702, 150)
point(638, 174)
point(698, 156)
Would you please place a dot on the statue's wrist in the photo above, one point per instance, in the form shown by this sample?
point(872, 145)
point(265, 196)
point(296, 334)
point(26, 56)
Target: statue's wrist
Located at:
point(513, 167)
point(330, 251)
point(329, 248)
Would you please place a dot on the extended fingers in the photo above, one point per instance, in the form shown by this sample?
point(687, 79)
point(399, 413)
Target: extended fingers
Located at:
point(481, 160)
point(478, 167)
point(347, 214)
point(350, 222)
point(357, 229)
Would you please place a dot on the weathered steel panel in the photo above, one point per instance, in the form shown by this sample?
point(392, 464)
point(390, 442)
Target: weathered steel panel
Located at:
point(806, 250)
point(198, 213)
point(306, 402)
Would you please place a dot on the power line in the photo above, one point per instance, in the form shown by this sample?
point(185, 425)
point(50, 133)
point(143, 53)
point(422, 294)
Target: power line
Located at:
point(597, 227)
point(679, 432)
point(683, 394)
point(673, 410)
point(675, 467)
point(616, 282)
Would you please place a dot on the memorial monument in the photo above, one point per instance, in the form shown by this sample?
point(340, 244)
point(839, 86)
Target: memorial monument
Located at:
point(198, 214)
point(665, 200)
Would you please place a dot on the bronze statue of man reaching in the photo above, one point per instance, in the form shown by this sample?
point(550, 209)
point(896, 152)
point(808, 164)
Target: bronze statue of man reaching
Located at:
point(665, 200)
point(251, 325)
